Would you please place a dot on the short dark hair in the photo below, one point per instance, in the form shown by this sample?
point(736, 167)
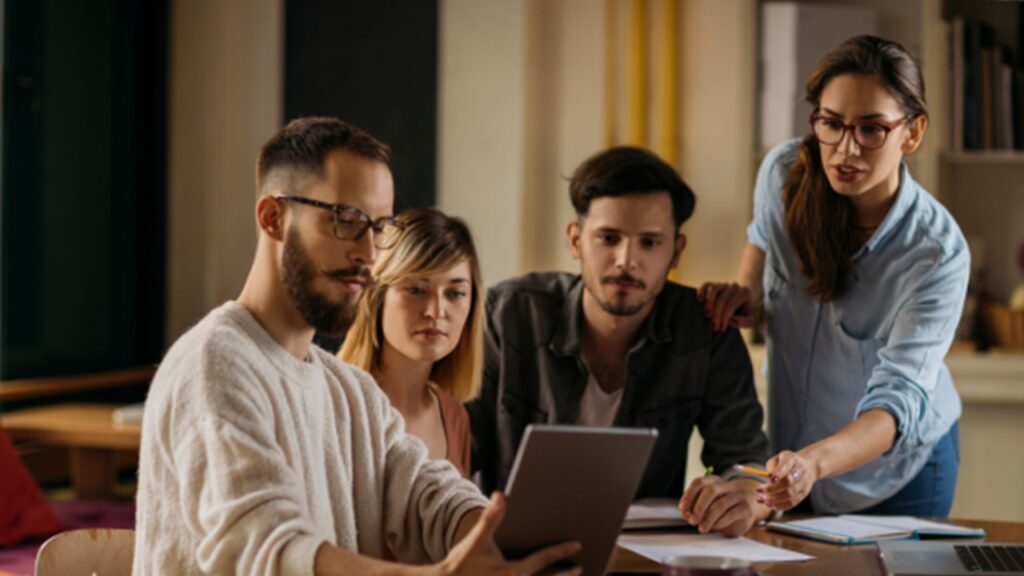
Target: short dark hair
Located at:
point(304, 143)
point(626, 170)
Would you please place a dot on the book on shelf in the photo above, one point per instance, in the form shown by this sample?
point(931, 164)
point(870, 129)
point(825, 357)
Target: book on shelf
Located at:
point(957, 83)
point(986, 89)
point(1006, 108)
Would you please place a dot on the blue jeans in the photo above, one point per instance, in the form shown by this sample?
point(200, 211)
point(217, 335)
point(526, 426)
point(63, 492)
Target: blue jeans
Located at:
point(931, 492)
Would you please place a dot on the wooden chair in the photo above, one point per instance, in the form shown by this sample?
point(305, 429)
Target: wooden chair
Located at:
point(87, 552)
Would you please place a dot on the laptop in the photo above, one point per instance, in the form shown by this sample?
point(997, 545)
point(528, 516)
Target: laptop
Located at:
point(573, 483)
point(917, 558)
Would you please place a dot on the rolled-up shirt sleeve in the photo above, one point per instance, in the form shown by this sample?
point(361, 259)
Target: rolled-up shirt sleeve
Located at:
point(905, 379)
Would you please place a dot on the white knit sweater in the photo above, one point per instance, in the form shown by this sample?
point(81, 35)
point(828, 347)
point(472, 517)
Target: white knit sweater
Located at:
point(251, 459)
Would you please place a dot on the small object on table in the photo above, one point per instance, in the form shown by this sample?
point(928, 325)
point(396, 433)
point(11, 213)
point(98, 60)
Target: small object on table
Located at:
point(705, 566)
point(1017, 299)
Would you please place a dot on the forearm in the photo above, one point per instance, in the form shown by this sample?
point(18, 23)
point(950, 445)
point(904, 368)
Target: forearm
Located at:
point(859, 442)
point(333, 561)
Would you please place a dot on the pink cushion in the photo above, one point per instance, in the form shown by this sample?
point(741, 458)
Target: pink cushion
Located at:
point(24, 514)
point(20, 560)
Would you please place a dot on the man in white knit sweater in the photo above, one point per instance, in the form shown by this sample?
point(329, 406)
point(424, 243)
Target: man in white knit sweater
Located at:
point(261, 453)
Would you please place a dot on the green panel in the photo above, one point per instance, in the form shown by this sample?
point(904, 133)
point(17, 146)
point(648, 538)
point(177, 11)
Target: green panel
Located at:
point(83, 190)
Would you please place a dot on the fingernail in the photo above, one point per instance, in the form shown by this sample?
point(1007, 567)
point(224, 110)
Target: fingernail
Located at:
point(760, 500)
point(774, 478)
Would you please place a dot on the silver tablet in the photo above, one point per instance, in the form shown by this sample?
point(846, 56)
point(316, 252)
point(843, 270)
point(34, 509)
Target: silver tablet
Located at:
point(573, 483)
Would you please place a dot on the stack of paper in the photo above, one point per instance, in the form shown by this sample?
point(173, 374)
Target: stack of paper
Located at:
point(653, 513)
point(128, 415)
point(662, 545)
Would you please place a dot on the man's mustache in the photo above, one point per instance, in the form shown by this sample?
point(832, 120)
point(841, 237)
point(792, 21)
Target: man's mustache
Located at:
point(624, 279)
point(349, 274)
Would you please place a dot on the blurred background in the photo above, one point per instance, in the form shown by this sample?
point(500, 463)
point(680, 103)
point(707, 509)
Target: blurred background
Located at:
point(130, 131)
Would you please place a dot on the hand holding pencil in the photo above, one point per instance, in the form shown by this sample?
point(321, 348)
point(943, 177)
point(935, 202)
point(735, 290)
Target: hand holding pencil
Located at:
point(791, 477)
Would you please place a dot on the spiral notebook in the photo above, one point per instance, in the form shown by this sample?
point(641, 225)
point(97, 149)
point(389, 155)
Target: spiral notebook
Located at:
point(859, 529)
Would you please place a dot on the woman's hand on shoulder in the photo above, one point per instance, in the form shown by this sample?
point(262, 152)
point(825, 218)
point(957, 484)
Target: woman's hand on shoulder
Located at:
point(728, 304)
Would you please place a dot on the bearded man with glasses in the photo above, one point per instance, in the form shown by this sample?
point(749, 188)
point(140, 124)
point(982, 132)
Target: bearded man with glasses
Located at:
point(263, 454)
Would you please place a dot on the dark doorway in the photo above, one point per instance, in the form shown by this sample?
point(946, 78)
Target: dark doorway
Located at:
point(373, 64)
point(83, 199)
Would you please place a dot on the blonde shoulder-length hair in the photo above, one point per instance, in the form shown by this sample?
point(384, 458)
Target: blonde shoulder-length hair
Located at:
point(429, 242)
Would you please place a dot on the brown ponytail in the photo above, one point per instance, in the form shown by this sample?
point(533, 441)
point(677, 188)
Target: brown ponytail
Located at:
point(818, 220)
point(820, 224)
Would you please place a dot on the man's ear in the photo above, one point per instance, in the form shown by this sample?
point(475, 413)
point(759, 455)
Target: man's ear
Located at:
point(915, 134)
point(680, 246)
point(572, 232)
point(270, 217)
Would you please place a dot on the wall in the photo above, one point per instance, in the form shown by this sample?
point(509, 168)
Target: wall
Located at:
point(522, 95)
point(717, 127)
point(225, 101)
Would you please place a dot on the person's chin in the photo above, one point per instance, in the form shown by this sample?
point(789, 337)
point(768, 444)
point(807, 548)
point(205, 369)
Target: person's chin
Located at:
point(850, 188)
point(423, 353)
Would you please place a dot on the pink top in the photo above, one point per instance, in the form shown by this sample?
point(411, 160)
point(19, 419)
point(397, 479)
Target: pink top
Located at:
point(455, 420)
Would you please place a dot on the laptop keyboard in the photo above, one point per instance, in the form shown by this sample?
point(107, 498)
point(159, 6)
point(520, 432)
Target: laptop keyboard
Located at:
point(981, 558)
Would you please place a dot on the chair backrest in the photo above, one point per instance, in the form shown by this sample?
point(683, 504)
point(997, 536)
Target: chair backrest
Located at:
point(87, 552)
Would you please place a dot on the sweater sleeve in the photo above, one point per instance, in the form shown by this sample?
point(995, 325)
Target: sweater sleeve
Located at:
point(239, 494)
point(424, 499)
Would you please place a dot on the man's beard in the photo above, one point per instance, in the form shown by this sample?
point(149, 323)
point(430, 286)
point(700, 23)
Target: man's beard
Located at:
point(327, 317)
point(621, 307)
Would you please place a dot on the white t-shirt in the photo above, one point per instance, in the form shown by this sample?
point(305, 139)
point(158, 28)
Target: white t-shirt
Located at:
point(597, 407)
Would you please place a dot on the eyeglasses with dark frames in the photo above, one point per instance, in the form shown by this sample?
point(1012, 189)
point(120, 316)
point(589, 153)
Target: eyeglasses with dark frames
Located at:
point(869, 134)
point(350, 223)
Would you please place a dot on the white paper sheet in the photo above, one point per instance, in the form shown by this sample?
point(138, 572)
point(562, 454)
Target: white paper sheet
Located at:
point(653, 513)
point(661, 545)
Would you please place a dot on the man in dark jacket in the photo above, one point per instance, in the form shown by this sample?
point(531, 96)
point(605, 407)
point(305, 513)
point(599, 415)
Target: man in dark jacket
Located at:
point(620, 345)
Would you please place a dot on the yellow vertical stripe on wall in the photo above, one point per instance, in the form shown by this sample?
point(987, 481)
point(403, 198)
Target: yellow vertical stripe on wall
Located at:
point(611, 89)
point(637, 88)
point(668, 94)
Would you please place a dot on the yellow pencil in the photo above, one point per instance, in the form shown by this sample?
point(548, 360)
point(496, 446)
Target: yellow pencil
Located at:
point(749, 470)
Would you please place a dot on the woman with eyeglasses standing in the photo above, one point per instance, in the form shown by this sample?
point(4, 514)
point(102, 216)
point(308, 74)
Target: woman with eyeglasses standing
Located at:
point(861, 275)
point(419, 330)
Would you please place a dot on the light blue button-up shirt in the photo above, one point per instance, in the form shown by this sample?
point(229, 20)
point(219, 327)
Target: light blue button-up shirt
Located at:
point(881, 345)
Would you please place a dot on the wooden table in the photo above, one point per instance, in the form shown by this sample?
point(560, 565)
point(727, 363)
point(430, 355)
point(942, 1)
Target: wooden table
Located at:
point(90, 433)
point(830, 559)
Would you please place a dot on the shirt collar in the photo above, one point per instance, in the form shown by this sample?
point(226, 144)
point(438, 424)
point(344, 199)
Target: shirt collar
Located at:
point(906, 196)
point(566, 338)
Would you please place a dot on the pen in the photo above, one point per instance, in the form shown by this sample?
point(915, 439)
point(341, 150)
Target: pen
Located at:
point(749, 470)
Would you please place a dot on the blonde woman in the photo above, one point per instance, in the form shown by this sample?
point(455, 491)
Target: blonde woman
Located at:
point(418, 330)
